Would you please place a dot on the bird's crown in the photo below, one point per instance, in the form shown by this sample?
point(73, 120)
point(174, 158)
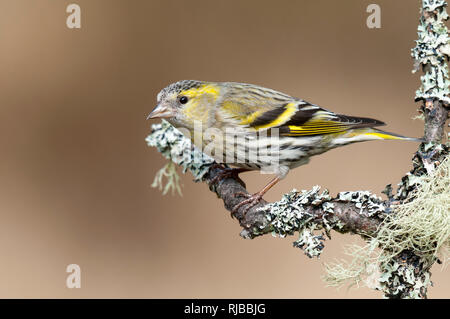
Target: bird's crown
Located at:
point(181, 86)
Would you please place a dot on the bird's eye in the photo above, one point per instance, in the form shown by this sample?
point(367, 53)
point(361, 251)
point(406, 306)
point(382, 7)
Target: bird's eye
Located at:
point(183, 100)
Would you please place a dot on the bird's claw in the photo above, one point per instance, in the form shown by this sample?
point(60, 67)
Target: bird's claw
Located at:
point(251, 201)
point(226, 172)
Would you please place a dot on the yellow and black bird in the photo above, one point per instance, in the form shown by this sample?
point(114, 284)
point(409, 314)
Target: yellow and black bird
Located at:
point(236, 123)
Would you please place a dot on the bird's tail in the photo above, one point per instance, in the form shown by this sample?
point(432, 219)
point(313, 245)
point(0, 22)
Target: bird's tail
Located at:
point(382, 135)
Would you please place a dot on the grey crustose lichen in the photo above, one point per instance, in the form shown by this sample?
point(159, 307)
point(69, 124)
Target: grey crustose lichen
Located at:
point(432, 51)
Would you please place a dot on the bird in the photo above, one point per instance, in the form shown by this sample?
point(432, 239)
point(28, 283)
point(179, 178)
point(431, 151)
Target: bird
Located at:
point(250, 127)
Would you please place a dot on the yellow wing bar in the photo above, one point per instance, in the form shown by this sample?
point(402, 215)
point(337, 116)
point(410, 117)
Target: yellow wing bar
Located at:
point(317, 127)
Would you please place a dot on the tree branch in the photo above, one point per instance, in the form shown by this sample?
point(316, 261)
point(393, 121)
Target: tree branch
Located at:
point(353, 212)
point(357, 212)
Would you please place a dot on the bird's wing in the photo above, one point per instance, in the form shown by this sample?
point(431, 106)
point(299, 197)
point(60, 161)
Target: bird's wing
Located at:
point(242, 109)
point(300, 118)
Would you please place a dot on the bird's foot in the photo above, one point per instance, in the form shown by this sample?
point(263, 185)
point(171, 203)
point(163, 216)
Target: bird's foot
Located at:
point(251, 201)
point(227, 172)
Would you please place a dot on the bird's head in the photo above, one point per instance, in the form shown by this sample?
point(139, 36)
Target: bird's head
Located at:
point(187, 103)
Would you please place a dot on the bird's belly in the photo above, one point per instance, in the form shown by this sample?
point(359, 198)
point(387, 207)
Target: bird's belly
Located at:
point(260, 152)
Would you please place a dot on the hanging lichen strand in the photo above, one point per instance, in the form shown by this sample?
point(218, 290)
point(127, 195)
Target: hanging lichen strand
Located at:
point(432, 51)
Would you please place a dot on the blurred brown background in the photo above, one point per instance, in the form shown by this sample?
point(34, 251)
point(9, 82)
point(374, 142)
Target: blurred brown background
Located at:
point(76, 171)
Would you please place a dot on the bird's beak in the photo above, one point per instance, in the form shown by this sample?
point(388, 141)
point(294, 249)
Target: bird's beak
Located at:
point(161, 111)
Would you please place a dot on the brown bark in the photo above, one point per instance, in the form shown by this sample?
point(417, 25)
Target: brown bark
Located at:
point(354, 220)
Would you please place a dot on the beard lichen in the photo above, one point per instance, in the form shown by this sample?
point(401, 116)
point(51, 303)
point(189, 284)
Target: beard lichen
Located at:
point(356, 272)
point(415, 236)
point(172, 184)
point(421, 225)
point(408, 241)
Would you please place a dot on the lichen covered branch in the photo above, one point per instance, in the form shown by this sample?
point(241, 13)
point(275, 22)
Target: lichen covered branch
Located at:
point(431, 54)
point(304, 212)
point(413, 236)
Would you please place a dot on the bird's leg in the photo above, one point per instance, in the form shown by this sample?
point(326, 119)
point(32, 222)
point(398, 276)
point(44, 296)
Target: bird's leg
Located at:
point(252, 200)
point(227, 172)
